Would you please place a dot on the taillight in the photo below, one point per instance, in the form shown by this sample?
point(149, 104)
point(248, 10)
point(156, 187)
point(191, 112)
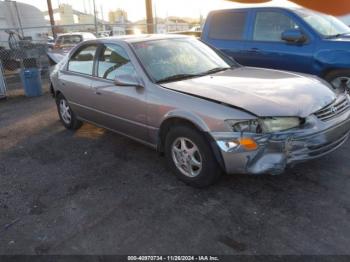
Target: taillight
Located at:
point(56, 46)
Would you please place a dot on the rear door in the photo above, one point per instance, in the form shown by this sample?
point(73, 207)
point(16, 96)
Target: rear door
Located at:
point(265, 47)
point(76, 79)
point(227, 31)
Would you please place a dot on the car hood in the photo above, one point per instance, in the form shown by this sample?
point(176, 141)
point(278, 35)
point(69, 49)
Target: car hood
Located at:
point(263, 92)
point(343, 38)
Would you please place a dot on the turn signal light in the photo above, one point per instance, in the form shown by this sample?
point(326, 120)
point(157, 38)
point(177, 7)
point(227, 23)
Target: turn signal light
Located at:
point(248, 143)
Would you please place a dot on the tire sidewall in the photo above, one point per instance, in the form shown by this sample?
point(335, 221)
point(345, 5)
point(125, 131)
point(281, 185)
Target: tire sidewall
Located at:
point(210, 169)
point(74, 123)
point(335, 74)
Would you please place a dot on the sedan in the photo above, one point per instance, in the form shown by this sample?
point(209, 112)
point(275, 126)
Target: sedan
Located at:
point(203, 111)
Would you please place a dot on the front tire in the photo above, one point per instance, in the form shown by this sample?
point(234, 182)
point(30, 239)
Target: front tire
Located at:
point(67, 116)
point(190, 156)
point(339, 77)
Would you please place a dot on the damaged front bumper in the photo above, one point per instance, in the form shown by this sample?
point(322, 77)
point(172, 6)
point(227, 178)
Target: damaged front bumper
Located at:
point(276, 151)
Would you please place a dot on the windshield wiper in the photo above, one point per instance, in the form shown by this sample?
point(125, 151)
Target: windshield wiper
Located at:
point(338, 35)
point(185, 76)
point(177, 77)
point(214, 70)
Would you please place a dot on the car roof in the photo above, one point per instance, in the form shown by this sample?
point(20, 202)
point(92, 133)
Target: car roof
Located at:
point(75, 33)
point(143, 37)
point(291, 8)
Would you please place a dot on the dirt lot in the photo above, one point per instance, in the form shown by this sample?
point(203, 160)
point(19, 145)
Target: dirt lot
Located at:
point(95, 192)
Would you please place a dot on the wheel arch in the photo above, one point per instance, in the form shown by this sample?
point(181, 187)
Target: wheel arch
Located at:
point(56, 93)
point(176, 120)
point(329, 60)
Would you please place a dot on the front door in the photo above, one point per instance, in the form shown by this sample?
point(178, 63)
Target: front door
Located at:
point(267, 49)
point(121, 108)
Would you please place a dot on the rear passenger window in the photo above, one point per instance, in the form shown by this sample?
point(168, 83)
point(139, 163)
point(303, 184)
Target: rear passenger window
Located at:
point(269, 26)
point(83, 61)
point(72, 39)
point(228, 25)
point(113, 62)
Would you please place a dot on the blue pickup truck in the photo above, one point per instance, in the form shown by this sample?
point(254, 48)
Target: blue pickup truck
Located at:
point(293, 39)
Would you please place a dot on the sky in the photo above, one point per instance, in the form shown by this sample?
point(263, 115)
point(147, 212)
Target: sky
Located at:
point(136, 8)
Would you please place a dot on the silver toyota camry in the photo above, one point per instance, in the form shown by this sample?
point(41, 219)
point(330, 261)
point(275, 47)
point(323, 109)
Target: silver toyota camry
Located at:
point(205, 112)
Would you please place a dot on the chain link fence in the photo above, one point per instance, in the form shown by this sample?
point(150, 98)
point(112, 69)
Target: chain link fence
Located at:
point(2, 83)
point(25, 47)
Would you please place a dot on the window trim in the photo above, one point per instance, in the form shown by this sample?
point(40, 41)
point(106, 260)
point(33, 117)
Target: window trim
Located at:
point(96, 60)
point(93, 61)
point(230, 12)
point(253, 23)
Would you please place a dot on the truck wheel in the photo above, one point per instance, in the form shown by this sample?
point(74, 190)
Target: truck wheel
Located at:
point(66, 114)
point(339, 77)
point(190, 156)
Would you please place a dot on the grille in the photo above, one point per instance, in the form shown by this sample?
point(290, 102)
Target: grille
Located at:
point(336, 108)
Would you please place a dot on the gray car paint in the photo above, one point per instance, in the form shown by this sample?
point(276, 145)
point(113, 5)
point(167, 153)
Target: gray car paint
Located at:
point(263, 92)
point(206, 102)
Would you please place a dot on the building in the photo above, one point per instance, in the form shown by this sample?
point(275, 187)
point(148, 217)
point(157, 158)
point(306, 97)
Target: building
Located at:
point(66, 15)
point(19, 16)
point(118, 16)
point(176, 24)
point(86, 19)
point(68, 19)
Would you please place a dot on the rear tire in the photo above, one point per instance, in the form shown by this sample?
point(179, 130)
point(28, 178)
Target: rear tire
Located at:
point(67, 116)
point(190, 156)
point(338, 76)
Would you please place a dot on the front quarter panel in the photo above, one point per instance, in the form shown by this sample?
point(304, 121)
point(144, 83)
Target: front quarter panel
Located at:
point(208, 116)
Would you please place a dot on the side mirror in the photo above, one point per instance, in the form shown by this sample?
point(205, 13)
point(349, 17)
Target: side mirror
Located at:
point(128, 80)
point(293, 36)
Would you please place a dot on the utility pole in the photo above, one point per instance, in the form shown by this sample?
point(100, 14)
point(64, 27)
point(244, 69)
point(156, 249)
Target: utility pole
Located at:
point(19, 18)
point(52, 20)
point(149, 15)
point(103, 19)
point(95, 16)
point(155, 19)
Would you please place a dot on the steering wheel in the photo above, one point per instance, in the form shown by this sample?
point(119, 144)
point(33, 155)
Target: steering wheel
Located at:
point(111, 69)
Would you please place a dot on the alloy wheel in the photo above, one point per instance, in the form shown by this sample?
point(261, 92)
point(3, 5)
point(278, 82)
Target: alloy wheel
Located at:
point(65, 112)
point(186, 157)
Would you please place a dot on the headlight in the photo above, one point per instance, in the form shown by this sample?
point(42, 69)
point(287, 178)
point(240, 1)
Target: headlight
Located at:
point(276, 124)
point(264, 125)
point(250, 126)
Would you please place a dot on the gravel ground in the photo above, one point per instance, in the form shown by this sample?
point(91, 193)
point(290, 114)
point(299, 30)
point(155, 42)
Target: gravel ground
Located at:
point(95, 192)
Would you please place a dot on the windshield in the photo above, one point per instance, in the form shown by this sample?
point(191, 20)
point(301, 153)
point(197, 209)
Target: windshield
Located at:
point(326, 25)
point(69, 39)
point(172, 59)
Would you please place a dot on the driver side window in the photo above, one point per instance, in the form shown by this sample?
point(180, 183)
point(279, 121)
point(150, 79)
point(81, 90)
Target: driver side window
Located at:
point(269, 26)
point(113, 61)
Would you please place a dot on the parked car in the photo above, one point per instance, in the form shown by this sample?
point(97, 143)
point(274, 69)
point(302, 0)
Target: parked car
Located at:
point(203, 110)
point(293, 39)
point(50, 42)
point(65, 42)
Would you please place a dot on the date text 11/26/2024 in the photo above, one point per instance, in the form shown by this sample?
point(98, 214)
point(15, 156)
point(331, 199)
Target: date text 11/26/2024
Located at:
point(173, 258)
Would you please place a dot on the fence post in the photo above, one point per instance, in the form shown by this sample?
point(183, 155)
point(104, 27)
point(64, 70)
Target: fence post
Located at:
point(2, 82)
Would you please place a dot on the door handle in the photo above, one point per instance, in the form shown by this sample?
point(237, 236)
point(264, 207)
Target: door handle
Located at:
point(97, 92)
point(254, 50)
